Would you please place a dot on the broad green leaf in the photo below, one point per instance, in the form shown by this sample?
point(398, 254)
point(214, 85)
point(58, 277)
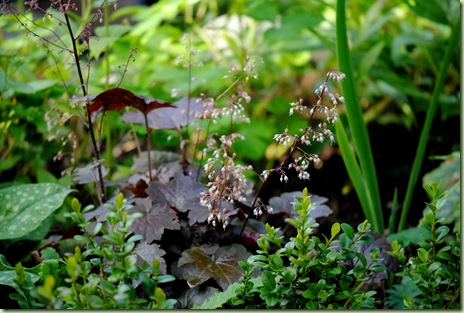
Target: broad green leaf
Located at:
point(7, 278)
point(105, 40)
point(24, 207)
point(263, 10)
point(8, 273)
point(408, 236)
point(432, 10)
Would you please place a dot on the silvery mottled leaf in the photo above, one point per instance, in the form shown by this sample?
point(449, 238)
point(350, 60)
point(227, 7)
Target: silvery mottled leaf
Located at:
point(24, 207)
point(283, 204)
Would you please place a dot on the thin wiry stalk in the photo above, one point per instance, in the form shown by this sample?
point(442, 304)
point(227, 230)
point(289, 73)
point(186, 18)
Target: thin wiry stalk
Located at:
point(296, 146)
point(100, 182)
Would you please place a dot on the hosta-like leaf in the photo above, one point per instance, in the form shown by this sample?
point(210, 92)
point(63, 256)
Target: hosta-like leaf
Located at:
point(202, 263)
point(155, 219)
point(24, 207)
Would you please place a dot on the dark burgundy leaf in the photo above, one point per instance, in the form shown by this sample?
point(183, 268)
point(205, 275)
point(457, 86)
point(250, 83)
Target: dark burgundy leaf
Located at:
point(156, 218)
point(169, 117)
point(139, 190)
point(283, 204)
point(199, 264)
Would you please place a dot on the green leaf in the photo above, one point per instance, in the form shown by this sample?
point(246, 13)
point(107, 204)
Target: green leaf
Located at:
point(422, 254)
point(408, 236)
point(441, 232)
point(219, 299)
point(24, 207)
point(348, 230)
point(335, 230)
point(430, 9)
point(268, 281)
point(378, 267)
point(8, 273)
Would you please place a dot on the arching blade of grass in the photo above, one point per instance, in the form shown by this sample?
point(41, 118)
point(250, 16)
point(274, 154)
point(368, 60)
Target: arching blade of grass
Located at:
point(432, 109)
point(352, 167)
point(368, 193)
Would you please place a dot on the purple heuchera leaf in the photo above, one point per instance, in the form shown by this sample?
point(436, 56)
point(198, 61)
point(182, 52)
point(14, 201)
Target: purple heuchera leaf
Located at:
point(149, 252)
point(283, 204)
point(199, 264)
point(156, 218)
point(169, 118)
point(88, 173)
point(182, 193)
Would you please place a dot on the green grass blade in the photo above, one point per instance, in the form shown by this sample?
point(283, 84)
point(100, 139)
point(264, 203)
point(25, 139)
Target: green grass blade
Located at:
point(392, 219)
point(357, 124)
point(352, 167)
point(432, 109)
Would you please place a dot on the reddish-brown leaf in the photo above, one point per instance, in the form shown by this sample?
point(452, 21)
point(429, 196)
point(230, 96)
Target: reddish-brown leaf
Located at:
point(139, 189)
point(115, 99)
point(153, 104)
point(119, 98)
point(199, 264)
